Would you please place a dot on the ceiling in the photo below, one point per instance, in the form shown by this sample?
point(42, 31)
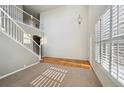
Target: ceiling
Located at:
point(40, 8)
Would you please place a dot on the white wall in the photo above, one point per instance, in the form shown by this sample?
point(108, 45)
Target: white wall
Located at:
point(64, 37)
point(94, 13)
point(13, 56)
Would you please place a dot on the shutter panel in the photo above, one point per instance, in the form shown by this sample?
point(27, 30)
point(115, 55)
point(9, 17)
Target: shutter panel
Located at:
point(121, 60)
point(114, 61)
point(105, 55)
point(105, 37)
point(105, 21)
point(121, 45)
point(114, 20)
point(121, 20)
point(97, 29)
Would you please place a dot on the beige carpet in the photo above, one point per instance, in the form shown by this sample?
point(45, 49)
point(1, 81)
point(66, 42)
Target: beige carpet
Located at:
point(51, 75)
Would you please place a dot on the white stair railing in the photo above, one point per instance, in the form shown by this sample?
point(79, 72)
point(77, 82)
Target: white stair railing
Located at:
point(20, 15)
point(12, 29)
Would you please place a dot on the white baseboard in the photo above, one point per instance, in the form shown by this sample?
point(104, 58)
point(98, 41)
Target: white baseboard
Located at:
point(6, 75)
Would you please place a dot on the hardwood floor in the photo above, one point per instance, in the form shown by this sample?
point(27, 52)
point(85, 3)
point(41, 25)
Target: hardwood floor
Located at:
point(67, 62)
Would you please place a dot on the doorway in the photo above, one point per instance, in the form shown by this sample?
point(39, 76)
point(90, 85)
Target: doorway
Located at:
point(36, 49)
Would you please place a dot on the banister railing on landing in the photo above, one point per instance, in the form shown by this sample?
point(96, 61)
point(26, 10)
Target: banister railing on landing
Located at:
point(20, 15)
point(26, 13)
point(32, 20)
point(11, 28)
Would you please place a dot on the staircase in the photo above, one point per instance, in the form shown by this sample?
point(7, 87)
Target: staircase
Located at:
point(18, 50)
point(9, 18)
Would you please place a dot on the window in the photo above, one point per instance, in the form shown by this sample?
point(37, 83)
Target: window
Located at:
point(110, 42)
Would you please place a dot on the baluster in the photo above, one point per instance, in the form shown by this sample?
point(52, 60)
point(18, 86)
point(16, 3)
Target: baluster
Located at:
point(17, 34)
point(9, 9)
point(20, 36)
point(9, 25)
point(12, 29)
point(18, 19)
point(0, 18)
point(31, 20)
point(5, 19)
point(15, 20)
point(6, 23)
point(8, 19)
